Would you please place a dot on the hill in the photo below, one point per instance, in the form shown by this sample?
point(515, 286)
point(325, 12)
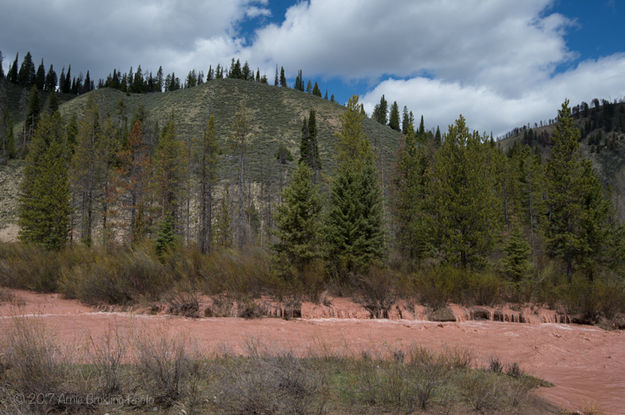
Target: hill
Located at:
point(275, 116)
point(602, 140)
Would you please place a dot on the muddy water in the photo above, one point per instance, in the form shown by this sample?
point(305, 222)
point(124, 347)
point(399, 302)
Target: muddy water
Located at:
point(586, 364)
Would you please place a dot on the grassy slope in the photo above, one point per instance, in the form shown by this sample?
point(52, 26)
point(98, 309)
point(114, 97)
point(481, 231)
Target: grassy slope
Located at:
point(275, 117)
point(275, 114)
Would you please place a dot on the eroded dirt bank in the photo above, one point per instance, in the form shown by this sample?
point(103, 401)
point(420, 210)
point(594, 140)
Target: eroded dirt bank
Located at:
point(586, 364)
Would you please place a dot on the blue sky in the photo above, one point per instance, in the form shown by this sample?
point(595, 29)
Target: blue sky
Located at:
point(501, 63)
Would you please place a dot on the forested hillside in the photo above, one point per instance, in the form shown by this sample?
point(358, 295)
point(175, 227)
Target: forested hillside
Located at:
point(602, 139)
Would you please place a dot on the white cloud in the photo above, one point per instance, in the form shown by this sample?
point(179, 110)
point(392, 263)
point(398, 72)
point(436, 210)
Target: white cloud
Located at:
point(487, 110)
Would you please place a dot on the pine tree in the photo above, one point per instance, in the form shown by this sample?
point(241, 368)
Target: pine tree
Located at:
point(87, 169)
point(411, 216)
point(206, 151)
point(40, 78)
point(380, 111)
point(240, 131)
point(299, 81)
point(26, 76)
point(223, 221)
point(283, 83)
point(309, 87)
point(516, 263)
point(12, 74)
point(353, 226)
point(168, 170)
point(51, 80)
point(1, 67)
point(44, 206)
point(32, 116)
point(297, 221)
point(166, 238)
point(393, 120)
point(462, 199)
point(275, 81)
point(405, 122)
point(316, 91)
point(578, 210)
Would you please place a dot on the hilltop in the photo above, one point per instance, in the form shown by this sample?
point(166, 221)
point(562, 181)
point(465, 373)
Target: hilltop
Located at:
point(275, 116)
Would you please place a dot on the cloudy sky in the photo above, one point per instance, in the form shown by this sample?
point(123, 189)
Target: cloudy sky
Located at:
point(501, 63)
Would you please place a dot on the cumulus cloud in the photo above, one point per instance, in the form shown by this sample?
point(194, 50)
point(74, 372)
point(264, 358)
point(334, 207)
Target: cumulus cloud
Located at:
point(118, 33)
point(487, 110)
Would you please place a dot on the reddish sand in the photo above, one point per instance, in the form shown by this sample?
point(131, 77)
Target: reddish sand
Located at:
point(586, 364)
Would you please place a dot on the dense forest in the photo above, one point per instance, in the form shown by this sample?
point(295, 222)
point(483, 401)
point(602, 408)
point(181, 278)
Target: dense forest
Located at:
point(460, 219)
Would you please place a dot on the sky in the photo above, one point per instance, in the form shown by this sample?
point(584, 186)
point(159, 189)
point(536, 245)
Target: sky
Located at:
point(499, 63)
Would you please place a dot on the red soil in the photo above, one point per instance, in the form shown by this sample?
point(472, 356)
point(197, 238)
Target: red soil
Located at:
point(586, 364)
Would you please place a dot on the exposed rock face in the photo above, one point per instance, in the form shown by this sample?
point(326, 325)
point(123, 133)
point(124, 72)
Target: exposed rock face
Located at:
point(442, 314)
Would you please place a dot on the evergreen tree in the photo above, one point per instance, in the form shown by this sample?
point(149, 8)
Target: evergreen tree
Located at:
point(223, 221)
point(12, 73)
point(7, 139)
point(516, 263)
point(412, 219)
point(461, 198)
point(578, 211)
point(405, 122)
point(275, 81)
point(51, 80)
point(353, 226)
point(438, 140)
point(309, 87)
point(240, 131)
point(44, 201)
point(88, 165)
point(1, 67)
point(206, 150)
point(168, 164)
point(421, 130)
point(393, 120)
point(32, 116)
point(299, 81)
point(27, 75)
point(316, 91)
point(297, 221)
point(283, 83)
point(40, 78)
point(166, 238)
point(380, 111)
point(246, 72)
point(309, 150)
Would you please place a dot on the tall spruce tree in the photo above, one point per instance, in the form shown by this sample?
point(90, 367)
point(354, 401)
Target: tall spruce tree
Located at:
point(316, 91)
point(309, 149)
point(283, 78)
point(168, 170)
point(298, 224)
point(1, 67)
point(32, 117)
point(380, 112)
point(40, 77)
point(412, 218)
point(578, 211)
point(462, 199)
point(26, 76)
point(44, 201)
point(353, 225)
point(240, 131)
point(393, 120)
point(206, 151)
point(12, 74)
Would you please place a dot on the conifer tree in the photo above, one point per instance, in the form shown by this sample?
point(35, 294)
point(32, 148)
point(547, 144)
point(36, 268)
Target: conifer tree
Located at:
point(166, 237)
point(7, 139)
point(206, 150)
point(297, 221)
point(168, 166)
point(380, 111)
point(411, 215)
point(438, 140)
point(578, 211)
point(44, 201)
point(1, 67)
point(223, 220)
point(309, 87)
point(240, 132)
point(316, 91)
point(405, 122)
point(27, 71)
point(51, 80)
point(283, 83)
point(275, 81)
point(462, 199)
point(299, 81)
point(309, 150)
point(516, 263)
point(87, 168)
point(393, 120)
point(353, 225)
point(40, 77)
point(32, 116)
point(12, 73)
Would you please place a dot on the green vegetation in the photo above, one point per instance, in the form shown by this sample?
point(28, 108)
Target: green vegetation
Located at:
point(38, 375)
